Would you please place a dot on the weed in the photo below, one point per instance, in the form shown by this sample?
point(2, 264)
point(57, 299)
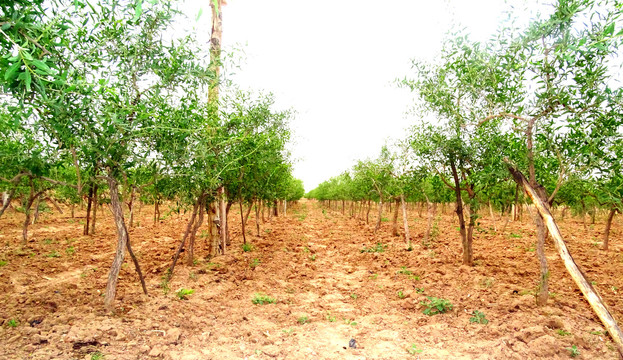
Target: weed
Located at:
point(436, 306)
point(268, 231)
point(350, 322)
point(330, 317)
point(312, 257)
point(324, 212)
point(261, 299)
point(289, 331)
point(596, 332)
point(164, 283)
point(487, 282)
point(419, 290)
point(83, 275)
point(593, 282)
point(374, 276)
point(403, 271)
point(401, 295)
point(478, 317)
point(562, 332)
point(303, 320)
point(182, 293)
point(70, 250)
point(3, 263)
point(413, 350)
point(97, 356)
point(354, 296)
point(254, 263)
point(192, 276)
point(290, 290)
point(54, 254)
point(526, 292)
point(302, 217)
point(414, 277)
point(432, 254)
point(12, 323)
point(378, 248)
point(247, 247)
point(306, 250)
point(513, 235)
point(573, 351)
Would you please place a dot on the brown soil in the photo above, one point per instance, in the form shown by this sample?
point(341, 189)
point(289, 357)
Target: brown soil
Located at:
point(311, 263)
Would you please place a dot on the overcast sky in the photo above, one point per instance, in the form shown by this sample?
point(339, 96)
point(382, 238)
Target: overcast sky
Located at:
point(335, 63)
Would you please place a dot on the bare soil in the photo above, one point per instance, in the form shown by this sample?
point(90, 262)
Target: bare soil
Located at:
point(327, 291)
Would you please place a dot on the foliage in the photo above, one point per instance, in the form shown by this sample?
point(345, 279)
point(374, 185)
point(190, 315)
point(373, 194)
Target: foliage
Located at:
point(12, 323)
point(378, 248)
point(574, 351)
point(413, 349)
point(303, 320)
point(247, 247)
point(261, 299)
point(436, 306)
point(478, 317)
point(182, 293)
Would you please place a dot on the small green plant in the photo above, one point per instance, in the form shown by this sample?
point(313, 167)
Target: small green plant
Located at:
point(330, 317)
point(312, 257)
point(192, 276)
point(247, 247)
point(261, 299)
point(374, 276)
point(54, 254)
point(70, 250)
point(183, 293)
point(378, 248)
point(384, 219)
point(12, 323)
point(436, 306)
point(419, 290)
point(306, 250)
point(413, 350)
point(414, 277)
point(487, 282)
point(403, 271)
point(254, 263)
point(574, 351)
point(303, 320)
point(354, 296)
point(350, 322)
point(268, 231)
point(596, 332)
point(302, 217)
point(478, 317)
point(97, 356)
point(513, 235)
point(289, 331)
point(401, 295)
point(562, 332)
point(164, 283)
point(3, 263)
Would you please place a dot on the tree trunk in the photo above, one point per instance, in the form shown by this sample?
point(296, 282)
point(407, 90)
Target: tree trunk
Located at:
point(466, 241)
point(56, 205)
point(95, 203)
point(122, 239)
point(131, 206)
point(495, 227)
point(37, 204)
point(576, 274)
point(6, 200)
point(608, 226)
point(275, 209)
point(31, 199)
point(227, 208)
point(189, 226)
point(85, 230)
point(244, 235)
point(223, 219)
point(156, 211)
point(257, 217)
point(405, 220)
point(429, 223)
point(378, 220)
point(193, 233)
point(368, 213)
point(395, 220)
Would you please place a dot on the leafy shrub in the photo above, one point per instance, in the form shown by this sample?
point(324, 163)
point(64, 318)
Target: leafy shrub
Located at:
point(261, 299)
point(478, 317)
point(379, 248)
point(436, 306)
point(183, 293)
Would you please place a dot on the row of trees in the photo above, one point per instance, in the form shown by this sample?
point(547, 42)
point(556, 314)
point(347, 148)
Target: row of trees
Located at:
point(542, 100)
point(99, 98)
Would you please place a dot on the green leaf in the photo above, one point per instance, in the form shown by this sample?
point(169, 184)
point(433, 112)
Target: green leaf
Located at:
point(199, 14)
point(5, 26)
point(42, 66)
point(609, 30)
point(138, 10)
point(11, 71)
point(27, 80)
point(26, 55)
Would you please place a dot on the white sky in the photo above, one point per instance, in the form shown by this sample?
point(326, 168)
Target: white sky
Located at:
point(334, 63)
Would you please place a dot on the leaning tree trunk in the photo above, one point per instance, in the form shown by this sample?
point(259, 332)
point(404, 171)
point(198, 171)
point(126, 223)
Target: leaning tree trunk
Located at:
point(222, 219)
point(492, 217)
point(395, 220)
point(466, 241)
point(85, 230)
point(6, 200)
point(429, 223)
point(95, 203)
point(257, 217)
point(181, 246)
point(31, 199)
point(608, 226)
point(193, 233)
point(405, 220)
point(576, 274)
point(122, 244)
point(368, 213)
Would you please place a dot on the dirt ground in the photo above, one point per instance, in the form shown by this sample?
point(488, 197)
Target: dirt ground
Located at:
point(327, 292)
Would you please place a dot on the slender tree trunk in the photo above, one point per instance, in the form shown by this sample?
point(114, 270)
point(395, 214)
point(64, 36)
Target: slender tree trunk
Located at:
point(6, 200)
point(85, 230)
point(395, 220)
point(31, 199)
point(246, 216)
point(244, 235)
point(576, 274)
point(608, 226)
point(223, 219)
point(495, 227)
point(405, 221)
point(467, 246)
point(189, 226)
point(55, 204)
point(227, 208)
point(378, 220)
point(276, 207)
point(193, 233)
point(368, 213)
point(584, 215)
point(257, 217)
point(35, 218)
point(95, 203)
point(429, 223)
point(131, 206)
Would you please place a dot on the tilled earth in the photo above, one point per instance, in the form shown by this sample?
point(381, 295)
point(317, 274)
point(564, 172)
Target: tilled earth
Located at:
point(327, 291)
